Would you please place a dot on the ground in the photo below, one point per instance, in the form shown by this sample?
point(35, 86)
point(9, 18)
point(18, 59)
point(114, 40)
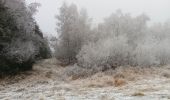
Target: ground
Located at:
point(46, 82)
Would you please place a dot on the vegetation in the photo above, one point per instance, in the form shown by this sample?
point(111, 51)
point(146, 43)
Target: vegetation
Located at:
point(73, 28)
point(21, 41)
point(121, 40)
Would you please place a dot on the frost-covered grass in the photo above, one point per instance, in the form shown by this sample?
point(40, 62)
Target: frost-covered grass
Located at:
point(46, 82)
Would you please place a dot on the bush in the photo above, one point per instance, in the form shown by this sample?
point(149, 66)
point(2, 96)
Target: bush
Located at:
point(162, 53)
point(107, 53)
point(144, 55)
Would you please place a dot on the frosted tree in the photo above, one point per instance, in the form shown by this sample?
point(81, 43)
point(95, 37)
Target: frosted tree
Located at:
point(72, 27)
point(23, 15)
point(21, 41)
point(119, 40)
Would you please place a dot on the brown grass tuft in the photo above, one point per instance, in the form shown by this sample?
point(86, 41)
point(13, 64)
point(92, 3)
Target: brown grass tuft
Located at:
point(49, 74)
point(75, 77)
point(109, 83)
point(165, 74)
point(95, 86)
point(119, 82)
point(138, 94)
point(119, 75)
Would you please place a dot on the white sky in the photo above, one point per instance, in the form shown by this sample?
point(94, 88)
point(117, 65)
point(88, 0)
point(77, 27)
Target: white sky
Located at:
point(157, 10)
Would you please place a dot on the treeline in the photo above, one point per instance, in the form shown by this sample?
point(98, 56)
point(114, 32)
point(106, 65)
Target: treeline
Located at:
point(21, 41)
point(120, 40)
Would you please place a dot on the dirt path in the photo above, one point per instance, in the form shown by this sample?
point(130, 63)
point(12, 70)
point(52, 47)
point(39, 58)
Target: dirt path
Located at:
point(46, 83)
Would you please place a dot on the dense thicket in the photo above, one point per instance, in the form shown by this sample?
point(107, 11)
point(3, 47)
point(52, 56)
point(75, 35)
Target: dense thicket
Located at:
point(21, 41)
point(119, 41)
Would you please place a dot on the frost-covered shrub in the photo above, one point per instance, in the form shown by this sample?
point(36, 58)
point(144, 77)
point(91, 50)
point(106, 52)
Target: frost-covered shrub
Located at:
point(152, 53)
point(110, 52)
point(144, 55)
point(162, 52)
point(18, 56)
point(19, 51)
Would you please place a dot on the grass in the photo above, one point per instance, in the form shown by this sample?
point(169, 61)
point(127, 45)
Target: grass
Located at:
point(95, 85)
point(138, 94)
point(106, 97)
point(49, 74)
point(119, 82)
point(169, 97)
point(166, 74)
point(75, 77)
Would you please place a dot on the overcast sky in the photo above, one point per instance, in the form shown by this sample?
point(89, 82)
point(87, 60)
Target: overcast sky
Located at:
point(157, 10)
